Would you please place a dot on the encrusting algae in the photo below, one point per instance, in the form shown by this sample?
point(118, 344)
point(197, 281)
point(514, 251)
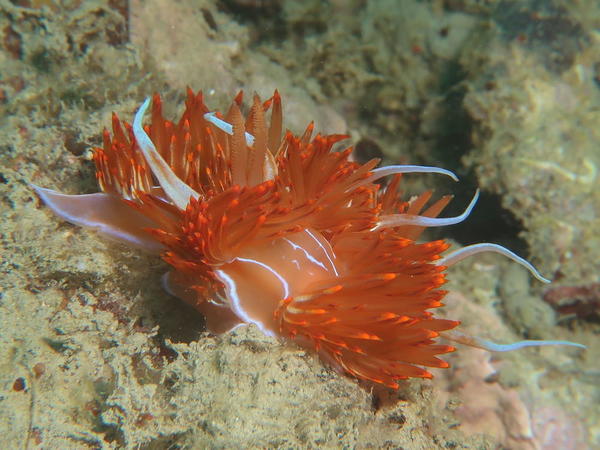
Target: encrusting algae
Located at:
point(283, 232)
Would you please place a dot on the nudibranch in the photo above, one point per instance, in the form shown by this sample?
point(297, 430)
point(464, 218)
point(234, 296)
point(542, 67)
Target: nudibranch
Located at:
point(284, 232)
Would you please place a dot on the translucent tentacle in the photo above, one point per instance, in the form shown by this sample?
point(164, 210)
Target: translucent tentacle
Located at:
point(474, 249)
point(473, 341)
point(381, 172)
point(396, 220)
point(177, 191)
point(392, 170)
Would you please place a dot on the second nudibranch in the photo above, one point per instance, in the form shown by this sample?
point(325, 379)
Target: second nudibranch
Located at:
point(283, 232)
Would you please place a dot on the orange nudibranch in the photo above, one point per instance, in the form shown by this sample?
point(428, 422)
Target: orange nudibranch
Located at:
point(281, 231)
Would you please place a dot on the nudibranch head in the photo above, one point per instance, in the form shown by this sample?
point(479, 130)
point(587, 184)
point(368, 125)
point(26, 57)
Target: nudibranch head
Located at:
point(280, 231)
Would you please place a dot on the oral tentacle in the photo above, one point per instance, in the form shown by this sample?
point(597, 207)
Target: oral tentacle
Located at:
point(398, 220)
point(381, 172)
point(470, 250)
point(473, 341)
point(178, 192)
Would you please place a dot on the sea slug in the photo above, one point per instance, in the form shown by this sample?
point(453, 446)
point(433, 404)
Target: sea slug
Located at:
point(282, 231)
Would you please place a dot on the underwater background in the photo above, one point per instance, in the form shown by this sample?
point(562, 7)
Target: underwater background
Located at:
point(504, 93)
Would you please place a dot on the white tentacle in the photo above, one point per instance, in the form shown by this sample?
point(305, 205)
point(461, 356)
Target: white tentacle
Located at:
point(397, 220)
point(177, 191)
point(474, 249)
